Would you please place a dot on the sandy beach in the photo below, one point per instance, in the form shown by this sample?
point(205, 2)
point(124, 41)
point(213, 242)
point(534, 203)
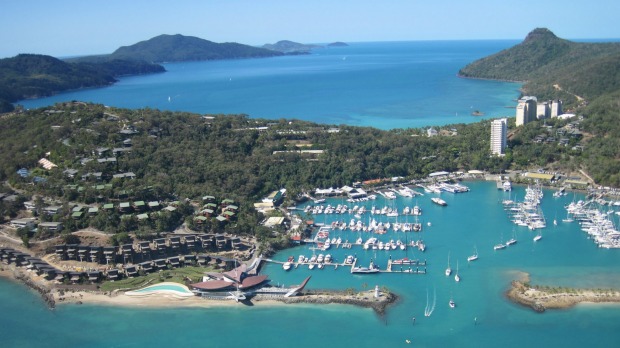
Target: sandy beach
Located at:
point(57, 295)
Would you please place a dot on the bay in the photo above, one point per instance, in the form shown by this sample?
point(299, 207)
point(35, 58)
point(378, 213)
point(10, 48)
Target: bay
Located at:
point(385, 85)
point(482, 318)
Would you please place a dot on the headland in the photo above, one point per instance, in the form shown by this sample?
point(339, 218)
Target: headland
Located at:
point(541, 298)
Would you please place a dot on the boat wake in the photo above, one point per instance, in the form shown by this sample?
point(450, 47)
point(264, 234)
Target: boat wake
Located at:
point(430, 308)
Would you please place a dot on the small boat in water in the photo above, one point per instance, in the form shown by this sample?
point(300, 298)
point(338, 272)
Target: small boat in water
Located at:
point(473, 257)
point(439, 201)
point(448, 270)
point(499, 246)
point(287, 265)
point(457, 278)
point(451, 303)
point(370, 269)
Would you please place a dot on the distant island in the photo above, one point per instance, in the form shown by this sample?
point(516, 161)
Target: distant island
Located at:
point(337, 44)
point(33, 76)
point(290, 47)
point(179, 48)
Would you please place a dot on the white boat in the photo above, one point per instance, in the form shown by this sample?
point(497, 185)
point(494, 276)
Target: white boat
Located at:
point(287, 265)
point(537, 237)
point(499, 246)
point(451, 303)
point(439, 201)
point(370, 269)
point(473, 257)
point(511, 241)
point(448, 270)
point(457, 278)
point(311, 265)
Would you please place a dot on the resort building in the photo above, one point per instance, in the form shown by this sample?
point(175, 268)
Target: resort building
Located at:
point(239, 283)
point(498, 136)
point(543, 110)
point(526, 110)
point(556, 108)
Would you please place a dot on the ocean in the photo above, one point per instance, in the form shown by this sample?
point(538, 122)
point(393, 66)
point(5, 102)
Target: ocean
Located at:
point(483, 317)
point(384, 85)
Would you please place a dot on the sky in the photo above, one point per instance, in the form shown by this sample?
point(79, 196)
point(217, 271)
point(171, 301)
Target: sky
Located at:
point(64, 28)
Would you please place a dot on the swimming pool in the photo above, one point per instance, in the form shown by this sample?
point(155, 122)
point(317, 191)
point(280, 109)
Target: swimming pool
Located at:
point(168, 288)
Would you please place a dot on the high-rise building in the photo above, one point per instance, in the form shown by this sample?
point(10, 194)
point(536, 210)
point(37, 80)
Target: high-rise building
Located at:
point(526, 110)
point(543, 110)
point(556, 108)
point(498, 136)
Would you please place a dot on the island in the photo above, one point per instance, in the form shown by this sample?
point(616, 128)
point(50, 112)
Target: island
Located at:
point(540, 298)
point(337, 44)
point(290, 47)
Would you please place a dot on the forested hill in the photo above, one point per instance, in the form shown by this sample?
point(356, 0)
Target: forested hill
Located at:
point(544, 60)
point(33, 75)
point(176, 48)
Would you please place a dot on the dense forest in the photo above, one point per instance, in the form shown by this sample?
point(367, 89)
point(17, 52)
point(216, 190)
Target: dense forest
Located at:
point(182, 157)
point(543, 60)
point(32, 76)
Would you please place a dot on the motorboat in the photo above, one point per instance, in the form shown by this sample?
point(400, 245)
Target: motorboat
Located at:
point(439, 201)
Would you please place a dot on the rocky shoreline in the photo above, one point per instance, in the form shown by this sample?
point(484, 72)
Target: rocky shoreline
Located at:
point(541, 298)
point(362, 299)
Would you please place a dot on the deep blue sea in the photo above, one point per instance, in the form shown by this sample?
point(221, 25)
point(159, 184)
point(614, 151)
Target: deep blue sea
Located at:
point(385, 85)
point(482, 318)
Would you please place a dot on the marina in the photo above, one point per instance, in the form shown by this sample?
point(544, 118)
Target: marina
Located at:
point(481, 313)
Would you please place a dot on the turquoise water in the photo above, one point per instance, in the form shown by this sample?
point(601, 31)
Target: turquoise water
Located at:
point(170, 287)
point(564, 257)
point(383, 84)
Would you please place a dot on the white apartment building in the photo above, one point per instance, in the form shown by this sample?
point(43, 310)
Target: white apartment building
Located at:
point(499, 130)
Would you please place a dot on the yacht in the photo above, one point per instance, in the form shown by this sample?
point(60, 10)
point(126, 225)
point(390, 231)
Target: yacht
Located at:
point(537, 237)
point(511, 241)
point(287, 265)
point(370, 269)
point(473, 257)
point(439, 201)
point(451, 303)
point(457, 278)
point(448, 270)
point(499, 246)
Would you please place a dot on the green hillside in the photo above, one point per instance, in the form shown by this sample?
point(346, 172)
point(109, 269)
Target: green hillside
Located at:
point(176, 48)
point(33, 75)
point(543, 60)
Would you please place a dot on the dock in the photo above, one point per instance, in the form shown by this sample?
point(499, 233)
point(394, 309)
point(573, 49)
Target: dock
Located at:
point(411, 268)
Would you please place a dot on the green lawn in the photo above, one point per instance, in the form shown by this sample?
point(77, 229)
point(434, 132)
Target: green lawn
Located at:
point(177, 275)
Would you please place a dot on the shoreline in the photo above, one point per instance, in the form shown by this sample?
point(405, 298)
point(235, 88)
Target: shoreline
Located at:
point(540, 298)
point(54, 296)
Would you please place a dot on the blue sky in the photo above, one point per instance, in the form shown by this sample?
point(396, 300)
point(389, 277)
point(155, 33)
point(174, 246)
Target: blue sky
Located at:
point(78, 27)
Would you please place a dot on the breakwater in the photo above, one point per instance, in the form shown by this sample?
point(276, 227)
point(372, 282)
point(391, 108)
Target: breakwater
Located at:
point(540, 298)
point(364, 299)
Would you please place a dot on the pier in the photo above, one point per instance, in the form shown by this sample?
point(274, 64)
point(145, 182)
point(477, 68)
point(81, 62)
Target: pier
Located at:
point(412, 267)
